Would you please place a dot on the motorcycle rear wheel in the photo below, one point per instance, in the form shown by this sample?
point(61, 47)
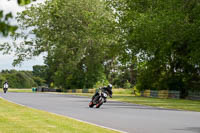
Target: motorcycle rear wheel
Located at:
point(99, 104)
point(5, 90)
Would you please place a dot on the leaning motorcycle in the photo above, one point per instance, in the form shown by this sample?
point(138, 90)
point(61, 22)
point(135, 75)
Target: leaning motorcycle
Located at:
point(99, 99)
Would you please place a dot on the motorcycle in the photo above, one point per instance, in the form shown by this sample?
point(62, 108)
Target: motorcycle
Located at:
point(99, 99)
point(5, 90)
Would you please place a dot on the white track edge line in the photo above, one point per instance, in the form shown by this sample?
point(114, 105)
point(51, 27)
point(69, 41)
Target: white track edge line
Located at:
point(67, 117)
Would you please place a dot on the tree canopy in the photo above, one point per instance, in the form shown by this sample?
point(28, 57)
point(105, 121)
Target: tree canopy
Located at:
point(164, 35)
point(20, 79)
point(76, 35)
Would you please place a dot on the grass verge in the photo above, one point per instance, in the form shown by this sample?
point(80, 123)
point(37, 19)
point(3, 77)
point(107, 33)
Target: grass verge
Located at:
point(17, 90)
point(19, 119)
point(180, 104)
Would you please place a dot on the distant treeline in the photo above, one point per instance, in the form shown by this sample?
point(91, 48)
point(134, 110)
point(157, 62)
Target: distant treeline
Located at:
point(42, 76)
point(20, 79)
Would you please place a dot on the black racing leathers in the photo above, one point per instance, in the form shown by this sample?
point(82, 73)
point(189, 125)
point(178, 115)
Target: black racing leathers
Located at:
point(105, 89)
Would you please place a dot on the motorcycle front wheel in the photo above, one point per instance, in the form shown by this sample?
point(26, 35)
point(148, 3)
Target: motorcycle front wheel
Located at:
point(91, 104)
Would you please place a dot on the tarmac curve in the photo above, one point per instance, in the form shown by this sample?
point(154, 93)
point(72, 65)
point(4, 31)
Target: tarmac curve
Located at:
point(125, 117)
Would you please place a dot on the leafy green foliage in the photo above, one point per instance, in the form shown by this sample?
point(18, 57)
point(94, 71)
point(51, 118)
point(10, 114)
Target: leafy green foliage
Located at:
point(5, 26)
point(153, 44)
point(40, 71)
point(164, 36)
point(20, 79)
point(24, 2)
point(127, 85)
point(76, 35)
point(39, 81)
point(102, 82)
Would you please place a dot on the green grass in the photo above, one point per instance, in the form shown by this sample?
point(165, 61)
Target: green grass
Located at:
point(17, 90)
point(19, 119)
point(122, 91)
point(180, 104)
point(189, 105)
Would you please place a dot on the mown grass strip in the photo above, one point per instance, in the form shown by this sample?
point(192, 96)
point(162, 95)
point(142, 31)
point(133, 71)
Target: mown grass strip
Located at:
point(180, 104)
point(17, 90)
point(19, 119)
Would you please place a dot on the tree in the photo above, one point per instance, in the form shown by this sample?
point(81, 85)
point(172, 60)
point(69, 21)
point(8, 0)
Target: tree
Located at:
point(40, 71)
point(76, 35)
point(18, 79)
point(164, 37)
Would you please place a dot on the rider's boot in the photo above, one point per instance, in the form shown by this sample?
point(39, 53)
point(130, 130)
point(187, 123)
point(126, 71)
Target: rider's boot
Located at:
point(105, 100)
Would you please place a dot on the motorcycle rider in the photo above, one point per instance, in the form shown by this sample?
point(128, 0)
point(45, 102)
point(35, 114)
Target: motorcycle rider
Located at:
point(107, 89)
point(5, 87)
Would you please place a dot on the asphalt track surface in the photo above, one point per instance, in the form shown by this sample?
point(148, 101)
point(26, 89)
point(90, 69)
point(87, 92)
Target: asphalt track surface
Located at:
point(131, 118)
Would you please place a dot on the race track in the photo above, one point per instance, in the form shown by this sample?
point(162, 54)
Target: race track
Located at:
point(125, 117)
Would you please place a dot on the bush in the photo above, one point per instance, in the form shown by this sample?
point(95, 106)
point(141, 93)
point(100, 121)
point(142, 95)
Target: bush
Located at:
point(127, 85)
point(19, 79)
point(102, 82)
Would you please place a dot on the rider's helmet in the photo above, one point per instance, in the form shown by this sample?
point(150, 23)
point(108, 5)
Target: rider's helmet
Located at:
point(109, 86)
